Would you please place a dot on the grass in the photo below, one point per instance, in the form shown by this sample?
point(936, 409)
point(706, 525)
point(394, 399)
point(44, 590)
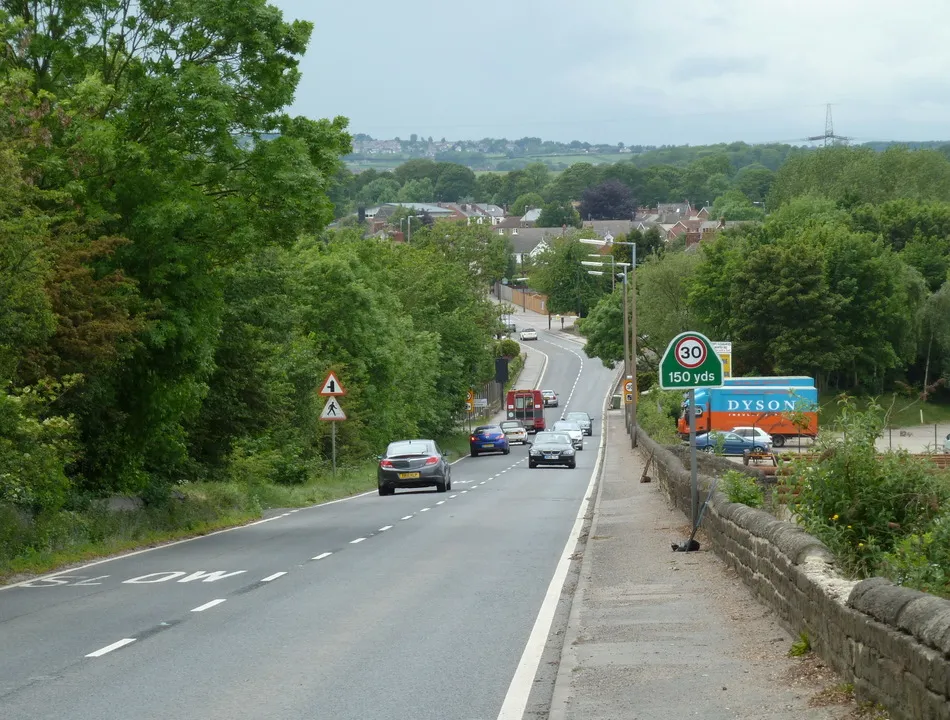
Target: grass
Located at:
point(904, 411)
point(800, 647)
point(53, 540)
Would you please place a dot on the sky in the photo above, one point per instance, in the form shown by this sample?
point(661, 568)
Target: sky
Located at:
point(641, 72)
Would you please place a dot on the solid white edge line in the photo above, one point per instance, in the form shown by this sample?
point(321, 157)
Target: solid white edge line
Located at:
point(358, 540)
point(175, 542)
point(274, 576)
point(208, 605)
point(109, 648)
point(322, 555)
point(516, 699)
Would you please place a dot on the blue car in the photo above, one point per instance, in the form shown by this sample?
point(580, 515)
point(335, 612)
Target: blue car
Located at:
point(488, 438)
point(730, 443)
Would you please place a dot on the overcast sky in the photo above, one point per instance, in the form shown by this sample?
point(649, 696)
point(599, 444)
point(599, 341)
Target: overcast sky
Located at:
point(645, 72)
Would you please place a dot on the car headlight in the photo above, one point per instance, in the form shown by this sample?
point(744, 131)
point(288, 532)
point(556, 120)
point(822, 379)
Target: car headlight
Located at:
point(568, 452)
point(535, 453)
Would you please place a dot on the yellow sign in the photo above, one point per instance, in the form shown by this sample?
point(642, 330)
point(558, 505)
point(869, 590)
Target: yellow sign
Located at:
point(470, 400)
point(628, 386)
point(628, 398)
point(726, 364)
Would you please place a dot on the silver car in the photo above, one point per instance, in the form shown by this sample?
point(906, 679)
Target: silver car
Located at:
point(582, 419)
point(515, 432)
point(573, 430)
point(529, 334)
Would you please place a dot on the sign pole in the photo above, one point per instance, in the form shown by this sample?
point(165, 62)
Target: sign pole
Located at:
point(626, 350)
point(333, 443)
point(633, 347)
point(693, 474)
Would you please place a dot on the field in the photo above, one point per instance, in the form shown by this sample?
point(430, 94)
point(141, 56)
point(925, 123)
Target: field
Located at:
point(903, 411)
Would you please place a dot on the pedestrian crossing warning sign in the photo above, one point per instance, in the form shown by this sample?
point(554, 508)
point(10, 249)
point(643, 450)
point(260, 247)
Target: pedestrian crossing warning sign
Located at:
point(332, 410)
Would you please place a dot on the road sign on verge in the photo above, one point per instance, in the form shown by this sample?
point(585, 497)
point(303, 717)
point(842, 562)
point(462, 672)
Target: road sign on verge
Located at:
point(470, 400)
point(332, 411)
point(724, 351)
point(628, 386)
point(690, 362)
point(332, 387)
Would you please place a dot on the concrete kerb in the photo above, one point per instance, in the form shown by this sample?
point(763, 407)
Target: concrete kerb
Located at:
point(560, 697)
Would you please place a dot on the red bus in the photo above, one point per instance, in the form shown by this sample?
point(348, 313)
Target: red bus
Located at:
point(526, 406)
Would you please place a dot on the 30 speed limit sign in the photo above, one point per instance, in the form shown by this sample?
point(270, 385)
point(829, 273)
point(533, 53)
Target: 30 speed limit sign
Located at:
point(690, 352)
point(690, 362)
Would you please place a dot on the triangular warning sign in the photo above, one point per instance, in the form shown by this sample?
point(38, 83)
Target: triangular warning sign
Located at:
point(331, 386)
point(332, 410)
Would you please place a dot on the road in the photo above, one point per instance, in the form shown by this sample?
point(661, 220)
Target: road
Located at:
point(418, 606)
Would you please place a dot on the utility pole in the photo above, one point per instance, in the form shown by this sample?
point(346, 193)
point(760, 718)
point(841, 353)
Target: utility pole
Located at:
point(633, 343)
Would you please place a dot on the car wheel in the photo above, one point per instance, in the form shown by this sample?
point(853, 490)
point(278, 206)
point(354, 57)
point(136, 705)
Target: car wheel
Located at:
point(440, 486)
point(507, 450)
point(758, 449)
point(448, 484)
point(474, 453)
point(572, 465)
point(778, 441)
point(531, 465)
point(709, 449)
point(384, 491)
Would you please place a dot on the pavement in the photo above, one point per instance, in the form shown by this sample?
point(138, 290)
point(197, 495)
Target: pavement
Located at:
point(653, 634)
point(417, 606)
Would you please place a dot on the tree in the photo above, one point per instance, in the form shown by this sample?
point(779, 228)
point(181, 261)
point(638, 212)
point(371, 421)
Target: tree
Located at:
point(558, 214)
point(417, 191)
point(455, 183)
point(571, 184)
point(381, 190)
point(565, 281)
point(935, 323)
point(663, 308)
point(736, 206)
point(603, 328)
point(526, 202)
point(754, 181)
point(611, 200)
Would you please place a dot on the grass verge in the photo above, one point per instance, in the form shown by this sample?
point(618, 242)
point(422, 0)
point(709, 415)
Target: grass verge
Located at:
point(32, 546)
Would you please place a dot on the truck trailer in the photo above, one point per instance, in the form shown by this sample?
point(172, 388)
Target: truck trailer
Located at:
point(784, 407)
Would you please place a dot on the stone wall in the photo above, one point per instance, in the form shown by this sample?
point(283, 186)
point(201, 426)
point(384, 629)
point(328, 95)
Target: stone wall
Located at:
point(891, 642)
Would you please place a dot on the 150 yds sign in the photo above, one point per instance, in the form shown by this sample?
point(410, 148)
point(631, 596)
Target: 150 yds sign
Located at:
point(690, 362)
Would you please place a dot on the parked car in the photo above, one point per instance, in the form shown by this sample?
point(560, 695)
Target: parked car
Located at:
point(510, 327)
point(515, 431)
point(753, 432)
point(529, 334)
point(573, 430)
point(730, 443)
point(550, 398)
point(552, 448)
point(583, 419)
point(413, 464)
point(488, 438)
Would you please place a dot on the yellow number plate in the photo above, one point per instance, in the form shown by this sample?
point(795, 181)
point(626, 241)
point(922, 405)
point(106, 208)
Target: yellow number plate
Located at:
point(408, 476)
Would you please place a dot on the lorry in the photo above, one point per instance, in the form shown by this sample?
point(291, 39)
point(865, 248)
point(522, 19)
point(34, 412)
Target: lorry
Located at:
point(784, 407)
point(526, 406)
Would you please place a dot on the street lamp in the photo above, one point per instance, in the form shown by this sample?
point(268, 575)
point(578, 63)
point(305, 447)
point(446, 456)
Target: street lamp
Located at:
point(630, 335)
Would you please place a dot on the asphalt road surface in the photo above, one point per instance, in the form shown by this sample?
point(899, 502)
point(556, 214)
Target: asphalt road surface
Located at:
point(413, 607)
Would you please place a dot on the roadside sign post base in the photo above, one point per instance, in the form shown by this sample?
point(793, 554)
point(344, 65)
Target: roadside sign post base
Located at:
point(333, 446)
point(693, 471)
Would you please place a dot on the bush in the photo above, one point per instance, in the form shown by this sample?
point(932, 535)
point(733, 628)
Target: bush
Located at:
point(922, 561)
point(657, 414)
point(866, 507)
point(742, 488)
point(507, 348)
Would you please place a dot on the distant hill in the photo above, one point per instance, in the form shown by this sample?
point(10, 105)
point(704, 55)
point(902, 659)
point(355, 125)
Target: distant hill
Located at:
point(501, 154)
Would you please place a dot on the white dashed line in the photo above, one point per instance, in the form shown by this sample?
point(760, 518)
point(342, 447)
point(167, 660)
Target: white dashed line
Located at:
point(425, 510)
point(408, 517)
point(358, 540)
point(384, 528)
point(109, 648)
point(208, 605)
point(464, 491)
point(482, 482)
point(322, 555)
point(440, 502)
point(273, 577)
point(452, 496)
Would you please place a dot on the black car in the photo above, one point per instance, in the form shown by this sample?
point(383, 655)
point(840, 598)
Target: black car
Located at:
point(551, 448)
point(582, 419)
point(413, 464)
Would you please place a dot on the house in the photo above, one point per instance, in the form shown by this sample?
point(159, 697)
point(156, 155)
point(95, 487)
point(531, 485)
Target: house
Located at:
point(530, 242)
point(613, 228)
point(386, 210)
point(477, 213)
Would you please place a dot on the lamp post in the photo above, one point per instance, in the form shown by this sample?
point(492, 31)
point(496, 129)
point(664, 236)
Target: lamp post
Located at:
point(631, 369)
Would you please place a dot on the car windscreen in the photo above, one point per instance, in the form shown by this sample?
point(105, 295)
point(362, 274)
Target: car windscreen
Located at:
point(550, 438)
point(578, 417)
point(487, 429)
point(511, 426)
point(563, 425)
point(409, 447)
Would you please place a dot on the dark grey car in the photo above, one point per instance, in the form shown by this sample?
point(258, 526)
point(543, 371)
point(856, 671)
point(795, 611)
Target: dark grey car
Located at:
point(413, 464)
point(552, 448)
point(582, 419)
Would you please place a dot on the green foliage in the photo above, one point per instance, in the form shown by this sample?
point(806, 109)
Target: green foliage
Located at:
point(507, 348)
point(742, 488)
point(526, 202)
point(862, 505)
point(922, 560)
point(603, 329)
point(800, 647)
point(657, 413)
point(565, 281)
point(559, 214)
